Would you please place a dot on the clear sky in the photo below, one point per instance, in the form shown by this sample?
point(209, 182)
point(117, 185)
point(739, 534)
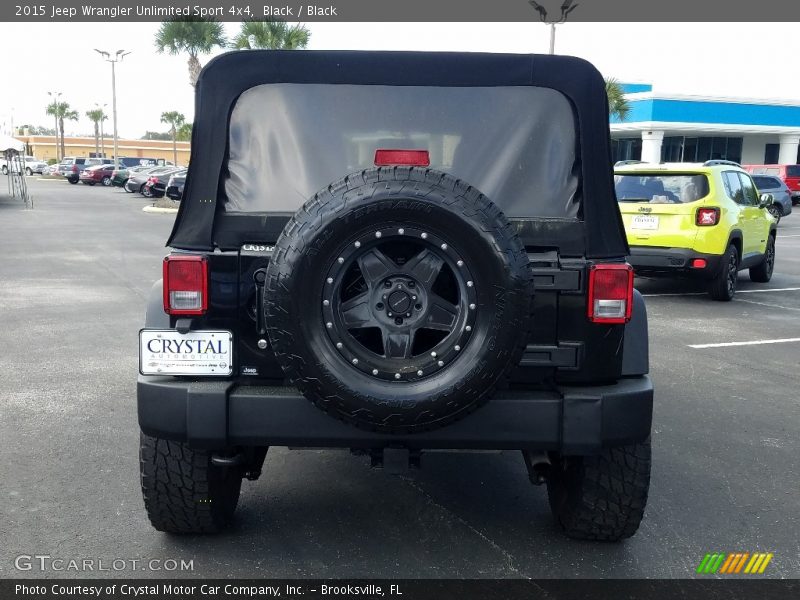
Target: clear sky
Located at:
point(726, 59)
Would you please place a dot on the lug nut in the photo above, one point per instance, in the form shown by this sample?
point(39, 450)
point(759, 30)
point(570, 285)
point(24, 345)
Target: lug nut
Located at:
point(444, 246)
point(378, 234)
point(389, 314)
point(433, 354)
point(424, 236)
point(470, 284)
point(401, 231)
point(340, 260)
point(460, 263)
point(328, 324)
point(379, 306)
point(413, 297)
point(468, 328)
point(329, 280)
point(408, 314)
point(472, 306)
point(326, 303)
point(355, 361)
point(440, 363)
point(374, 371)
point(339, 345)
point(419, 373)
point(357, 244)
point(397, 375)
point(262, 344)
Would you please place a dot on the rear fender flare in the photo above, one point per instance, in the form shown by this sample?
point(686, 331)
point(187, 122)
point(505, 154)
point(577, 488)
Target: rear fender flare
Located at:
point(635, 349)
point(155, 317)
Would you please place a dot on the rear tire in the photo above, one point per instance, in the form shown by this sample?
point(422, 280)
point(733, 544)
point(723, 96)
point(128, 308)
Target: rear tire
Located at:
point(106, 181)
point(762, 273)
point(723, 286)
point(601, 497)
point(183, 492)
point(73, 181)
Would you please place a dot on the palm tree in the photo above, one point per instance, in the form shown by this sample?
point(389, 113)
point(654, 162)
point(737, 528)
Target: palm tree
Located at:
point(96, 116)
point(175, 120)
point(184, 133)
point(191, 36)
point(61, 111)
point(617, 102)
point(271, 35)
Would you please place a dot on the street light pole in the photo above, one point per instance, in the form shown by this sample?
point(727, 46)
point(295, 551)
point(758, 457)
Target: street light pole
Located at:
point(117, 57)
point(566, 8)
point(55, 96)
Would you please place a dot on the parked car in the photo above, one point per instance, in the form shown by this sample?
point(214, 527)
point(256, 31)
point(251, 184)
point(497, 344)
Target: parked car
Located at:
point(157, 183)
point(97, 174)
point(120, 176)
point(71, 166)
point(138, 161)
point(31, 165)
point(781, 194)
point(136, 182)
point(50, 170)
point(790, 174)
point(394, 288)
point(175, 186)
point(705, 220)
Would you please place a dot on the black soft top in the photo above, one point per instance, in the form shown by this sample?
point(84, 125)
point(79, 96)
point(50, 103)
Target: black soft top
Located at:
point(226, 77)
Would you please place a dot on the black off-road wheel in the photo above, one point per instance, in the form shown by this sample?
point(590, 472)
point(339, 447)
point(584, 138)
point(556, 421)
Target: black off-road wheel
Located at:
point(601, 497)
point(723, 286)
point(183, 492)
point(397, 299)
point(762, 273)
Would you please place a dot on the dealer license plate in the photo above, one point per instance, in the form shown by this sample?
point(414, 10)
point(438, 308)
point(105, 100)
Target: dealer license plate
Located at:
point(644, 222)
point(167, 352)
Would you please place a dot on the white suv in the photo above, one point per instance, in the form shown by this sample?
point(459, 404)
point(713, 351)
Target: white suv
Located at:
point(32, 165)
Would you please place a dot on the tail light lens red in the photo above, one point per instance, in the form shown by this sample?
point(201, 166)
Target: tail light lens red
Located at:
point(707, 217)
point(610, 293)
point(185, 285)
point(407, 158)
point(74, 168)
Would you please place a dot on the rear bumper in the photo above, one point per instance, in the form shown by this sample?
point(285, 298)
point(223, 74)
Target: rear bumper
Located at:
point(572, 420)
point(648, 260)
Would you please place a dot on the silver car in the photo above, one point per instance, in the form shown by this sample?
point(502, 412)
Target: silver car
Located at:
point(782, 196)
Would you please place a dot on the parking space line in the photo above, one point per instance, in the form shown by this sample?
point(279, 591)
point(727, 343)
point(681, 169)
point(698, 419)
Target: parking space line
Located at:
point(753, 343)
point(769, 304)
point(761, 291)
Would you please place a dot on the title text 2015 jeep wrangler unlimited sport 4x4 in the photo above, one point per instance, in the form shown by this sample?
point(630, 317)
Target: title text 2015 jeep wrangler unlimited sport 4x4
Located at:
point(394, 252)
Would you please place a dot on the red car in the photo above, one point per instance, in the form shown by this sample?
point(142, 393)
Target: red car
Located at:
point(790, 174)
point(97, 174)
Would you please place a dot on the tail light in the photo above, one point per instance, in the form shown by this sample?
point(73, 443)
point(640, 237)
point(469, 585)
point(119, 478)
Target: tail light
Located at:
point(407, 158)
point(74, 168)
point(185, 285)
point(152, 179)
point(610, 293)
point(707, 216)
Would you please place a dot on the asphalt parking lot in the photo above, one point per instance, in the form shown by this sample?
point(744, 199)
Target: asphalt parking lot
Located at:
point(74, 277)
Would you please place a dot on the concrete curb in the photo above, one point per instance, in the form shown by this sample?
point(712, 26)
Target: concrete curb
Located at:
point(163, 211)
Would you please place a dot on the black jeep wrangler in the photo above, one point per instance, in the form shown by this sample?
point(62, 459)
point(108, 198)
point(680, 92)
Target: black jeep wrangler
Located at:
point(391, 252)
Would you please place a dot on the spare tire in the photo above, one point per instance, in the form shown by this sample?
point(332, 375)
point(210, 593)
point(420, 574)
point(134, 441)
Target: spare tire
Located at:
point(398, 298)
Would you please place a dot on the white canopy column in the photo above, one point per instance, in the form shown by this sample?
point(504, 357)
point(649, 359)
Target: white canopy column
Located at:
point(651, 146)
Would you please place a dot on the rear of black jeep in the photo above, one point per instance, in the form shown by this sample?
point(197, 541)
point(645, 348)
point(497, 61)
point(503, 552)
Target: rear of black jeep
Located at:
point(391, 253)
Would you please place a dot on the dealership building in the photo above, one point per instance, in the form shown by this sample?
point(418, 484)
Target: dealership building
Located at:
point(684, 128)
